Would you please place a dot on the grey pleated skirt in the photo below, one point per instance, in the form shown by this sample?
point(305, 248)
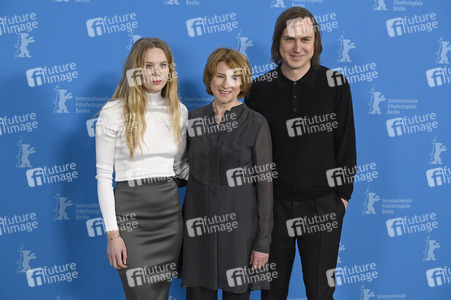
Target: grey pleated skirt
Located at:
point(150, 223)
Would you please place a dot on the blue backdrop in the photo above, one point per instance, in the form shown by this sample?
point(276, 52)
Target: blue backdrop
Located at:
point(62, 59)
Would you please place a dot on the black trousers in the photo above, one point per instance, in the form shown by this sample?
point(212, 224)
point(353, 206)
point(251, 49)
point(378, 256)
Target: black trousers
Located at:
point(318, 245)
point(200, 293)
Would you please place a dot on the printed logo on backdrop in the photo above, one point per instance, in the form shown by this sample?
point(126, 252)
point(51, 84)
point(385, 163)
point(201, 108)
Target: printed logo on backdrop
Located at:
point(350, 275)
point(411, 225)
point(62, 203)
point(65, 209)
point(83, 105)
point(437, 149)
point(370, 199)
point(429, 251)
point(438, 176)
point(438, 76)
point(438, 276)
point(49, 275)
point(21, 25)
point(113, 24)
point(195, 102)
point(358, 173)
point(341, 248)
point(406, 25)
point(398, 5)
point(18, 223)
point(55, 74)
point(62, 95)
point(89, 104)
point(18, 123)
point(71, 1)
point(133, 39)
point(411, 125)
point(394, 205)
point(95, 227)
point(176, 2)
point(211, 25)
point(394, 106)
point(243, 43)
point(50, 175)
point(367, 294)
point(345, 46)
point(25, 150)
point(23, 40)
point(354, 73)
point(442, 52)
point(389, 205)
point(376, 99)
point(25, 257)
point(290, 3)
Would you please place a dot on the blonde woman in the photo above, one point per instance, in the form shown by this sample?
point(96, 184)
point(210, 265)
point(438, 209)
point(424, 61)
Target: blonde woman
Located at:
point(141, 136)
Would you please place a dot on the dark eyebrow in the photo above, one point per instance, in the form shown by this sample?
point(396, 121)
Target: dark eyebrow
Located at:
point(163, 62)
point(302, 37)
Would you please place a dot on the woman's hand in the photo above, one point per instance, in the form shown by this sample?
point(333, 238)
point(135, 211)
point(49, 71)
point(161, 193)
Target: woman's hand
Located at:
point(258, 259)
point(116, 250)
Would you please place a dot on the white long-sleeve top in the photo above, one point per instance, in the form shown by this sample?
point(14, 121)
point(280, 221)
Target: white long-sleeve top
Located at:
point(159, 157)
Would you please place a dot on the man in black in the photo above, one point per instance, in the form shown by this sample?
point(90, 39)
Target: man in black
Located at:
point(309, 111)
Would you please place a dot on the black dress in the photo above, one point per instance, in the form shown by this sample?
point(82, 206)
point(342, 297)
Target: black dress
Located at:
point(228, 204)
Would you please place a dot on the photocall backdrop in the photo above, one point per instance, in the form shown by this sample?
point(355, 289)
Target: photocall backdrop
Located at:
point(61, 61)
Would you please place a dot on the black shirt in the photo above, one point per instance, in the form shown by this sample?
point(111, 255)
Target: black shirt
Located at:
point(312, 130)
point(241, 141)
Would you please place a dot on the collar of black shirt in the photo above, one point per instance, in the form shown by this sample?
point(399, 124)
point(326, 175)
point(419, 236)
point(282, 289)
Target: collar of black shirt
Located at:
point(307, 80)
point(236, 109)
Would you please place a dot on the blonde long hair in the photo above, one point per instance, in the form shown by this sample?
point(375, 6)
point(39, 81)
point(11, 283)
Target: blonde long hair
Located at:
point(135, 97)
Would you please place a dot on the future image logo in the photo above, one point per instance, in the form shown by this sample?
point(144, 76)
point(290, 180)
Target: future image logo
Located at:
point(438, 76)
point(335, 78)
point(411, 225)
point(95, 227)
point(349, 275)
point(110, 25)
point(411, 25)
point(438, 276)
point(49, 175)
point(206, 225)
point(210, 25)
point(438, 176)
point(51, 74)
point(240, 276)
point(411, 125)
point(49, 275)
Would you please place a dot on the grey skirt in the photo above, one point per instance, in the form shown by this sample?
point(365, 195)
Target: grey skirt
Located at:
point(150, 223)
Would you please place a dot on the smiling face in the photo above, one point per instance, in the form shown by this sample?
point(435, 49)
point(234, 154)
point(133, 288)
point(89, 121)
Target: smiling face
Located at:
point(297, 45)
point(156, 70)
point(224, 85)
